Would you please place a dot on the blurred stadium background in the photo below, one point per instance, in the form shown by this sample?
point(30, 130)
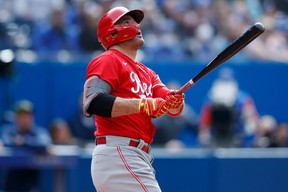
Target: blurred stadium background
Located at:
point(45, 46)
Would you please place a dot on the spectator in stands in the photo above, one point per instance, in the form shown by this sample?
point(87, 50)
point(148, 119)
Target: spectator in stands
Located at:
point(57, 37)
point(24, 135)
point(24, 132)
point(5, 40)
point(60, 133)
point(280, 138)
point(82, 128)
point(228, 117)
point(87, 36)
point(273, 44)
point(265, 132)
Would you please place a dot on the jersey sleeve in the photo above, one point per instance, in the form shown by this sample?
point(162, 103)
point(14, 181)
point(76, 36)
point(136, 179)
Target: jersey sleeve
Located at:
point(106, 68)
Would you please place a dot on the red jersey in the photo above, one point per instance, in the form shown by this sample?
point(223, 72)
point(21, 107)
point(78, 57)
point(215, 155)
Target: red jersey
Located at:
point(128, 79)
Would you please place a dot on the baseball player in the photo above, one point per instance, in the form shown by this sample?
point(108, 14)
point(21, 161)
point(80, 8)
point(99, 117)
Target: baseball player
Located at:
point(124, 95)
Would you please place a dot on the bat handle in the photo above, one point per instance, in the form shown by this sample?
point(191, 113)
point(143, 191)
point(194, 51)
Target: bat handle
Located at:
point(185, 87)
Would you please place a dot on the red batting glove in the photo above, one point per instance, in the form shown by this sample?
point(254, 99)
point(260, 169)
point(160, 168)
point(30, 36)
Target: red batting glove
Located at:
point(175, 99)
point(153, 107)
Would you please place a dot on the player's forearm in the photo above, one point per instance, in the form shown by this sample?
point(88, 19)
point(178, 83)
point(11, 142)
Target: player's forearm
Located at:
point(124, 106)
point(110, 106)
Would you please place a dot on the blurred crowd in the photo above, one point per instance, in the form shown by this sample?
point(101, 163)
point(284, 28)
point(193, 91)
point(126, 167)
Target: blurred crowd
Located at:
point(172, 29)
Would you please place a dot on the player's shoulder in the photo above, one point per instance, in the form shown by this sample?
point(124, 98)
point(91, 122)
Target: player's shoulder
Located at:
point(105, 57)
point(146, 68)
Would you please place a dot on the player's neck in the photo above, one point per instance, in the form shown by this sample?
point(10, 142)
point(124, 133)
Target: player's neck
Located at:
point(128, 52)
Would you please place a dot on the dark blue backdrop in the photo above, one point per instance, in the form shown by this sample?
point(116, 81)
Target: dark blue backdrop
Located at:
point(55, 88)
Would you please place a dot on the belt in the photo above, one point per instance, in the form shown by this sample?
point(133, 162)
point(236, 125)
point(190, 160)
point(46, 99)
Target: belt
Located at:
point(140, 144)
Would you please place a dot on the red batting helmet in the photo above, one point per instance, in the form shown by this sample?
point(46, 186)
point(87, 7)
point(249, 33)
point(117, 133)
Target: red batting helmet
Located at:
point(110, 34)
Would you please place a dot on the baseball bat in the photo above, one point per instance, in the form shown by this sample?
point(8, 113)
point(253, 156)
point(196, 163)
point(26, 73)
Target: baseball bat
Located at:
point(248, 36)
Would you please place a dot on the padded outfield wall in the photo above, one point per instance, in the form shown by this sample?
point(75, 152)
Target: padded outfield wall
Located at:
point(55, 87)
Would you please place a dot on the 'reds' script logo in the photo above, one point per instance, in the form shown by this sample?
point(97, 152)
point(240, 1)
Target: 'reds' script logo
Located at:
point(140, 88)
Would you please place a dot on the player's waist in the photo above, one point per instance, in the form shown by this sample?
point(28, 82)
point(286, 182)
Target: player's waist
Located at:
point(123, 141)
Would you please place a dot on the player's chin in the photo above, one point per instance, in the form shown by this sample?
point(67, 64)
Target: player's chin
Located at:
point(138, 42)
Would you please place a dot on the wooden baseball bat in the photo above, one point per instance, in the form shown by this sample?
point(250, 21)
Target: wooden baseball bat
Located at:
point(252, 33)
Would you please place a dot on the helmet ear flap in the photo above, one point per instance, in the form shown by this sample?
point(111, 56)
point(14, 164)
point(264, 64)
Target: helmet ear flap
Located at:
point(111, 35)
point(120, 33)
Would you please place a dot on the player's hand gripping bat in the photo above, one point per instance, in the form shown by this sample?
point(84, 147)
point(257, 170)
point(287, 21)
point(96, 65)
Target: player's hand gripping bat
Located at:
point(252, 33)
